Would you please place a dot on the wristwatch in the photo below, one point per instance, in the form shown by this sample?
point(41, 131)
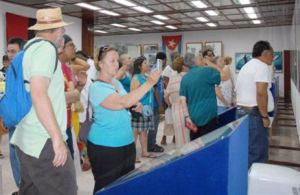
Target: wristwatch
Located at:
point(266, 117)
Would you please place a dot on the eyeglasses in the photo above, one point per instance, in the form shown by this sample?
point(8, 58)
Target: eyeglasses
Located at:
point(102, 51)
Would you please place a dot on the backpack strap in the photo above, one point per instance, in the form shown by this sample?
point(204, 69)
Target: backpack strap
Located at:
point(38, 40)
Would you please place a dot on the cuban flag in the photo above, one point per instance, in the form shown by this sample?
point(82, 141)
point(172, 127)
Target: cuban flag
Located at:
point(17, 26)
point(171, 44)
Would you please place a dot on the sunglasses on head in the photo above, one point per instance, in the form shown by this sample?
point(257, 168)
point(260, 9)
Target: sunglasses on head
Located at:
point(102, 51)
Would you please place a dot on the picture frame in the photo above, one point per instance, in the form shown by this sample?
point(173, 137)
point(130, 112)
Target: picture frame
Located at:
point(134, 51)
point(194, 47)
point(149, 51)
point(242, 58)
point(215, 46)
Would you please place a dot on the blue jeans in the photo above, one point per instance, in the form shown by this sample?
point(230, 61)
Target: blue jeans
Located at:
point(152, 132)
point(258, 136)
point(14, 160)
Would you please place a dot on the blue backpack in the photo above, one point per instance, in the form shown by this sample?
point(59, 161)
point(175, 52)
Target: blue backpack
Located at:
point(16, 102)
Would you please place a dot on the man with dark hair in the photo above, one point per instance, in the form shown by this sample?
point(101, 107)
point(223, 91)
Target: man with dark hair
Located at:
point(14, 45)
point(252, 98)
point(208, 54)
point(158, 106)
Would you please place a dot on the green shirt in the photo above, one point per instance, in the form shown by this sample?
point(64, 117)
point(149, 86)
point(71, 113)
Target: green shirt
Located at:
point(198, 86)
point(30, 135)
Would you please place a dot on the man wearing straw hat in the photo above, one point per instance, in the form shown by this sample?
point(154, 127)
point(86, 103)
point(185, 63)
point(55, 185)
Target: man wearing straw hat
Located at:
point(46, 165)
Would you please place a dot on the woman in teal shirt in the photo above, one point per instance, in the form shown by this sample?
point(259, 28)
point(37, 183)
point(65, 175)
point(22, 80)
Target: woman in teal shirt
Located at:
point(141, 123)
point(111, 146)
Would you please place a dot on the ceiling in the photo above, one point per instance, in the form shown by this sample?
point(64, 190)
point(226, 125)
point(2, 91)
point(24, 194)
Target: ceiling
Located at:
point(181, 14)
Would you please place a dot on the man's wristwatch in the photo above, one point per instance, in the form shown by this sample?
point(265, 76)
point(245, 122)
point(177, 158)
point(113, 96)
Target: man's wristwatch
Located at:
point(265, 117)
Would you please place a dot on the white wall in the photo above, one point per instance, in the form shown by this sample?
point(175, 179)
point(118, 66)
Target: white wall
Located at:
point(235, 40)
point(74, 30)
point(295, 43)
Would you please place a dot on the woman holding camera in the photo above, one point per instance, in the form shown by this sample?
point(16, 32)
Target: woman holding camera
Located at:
point(111, 146)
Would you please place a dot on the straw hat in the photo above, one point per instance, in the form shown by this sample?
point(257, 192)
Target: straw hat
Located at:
point(48, 19)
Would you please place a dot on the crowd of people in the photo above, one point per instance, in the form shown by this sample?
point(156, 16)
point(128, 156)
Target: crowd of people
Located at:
point(104, 106)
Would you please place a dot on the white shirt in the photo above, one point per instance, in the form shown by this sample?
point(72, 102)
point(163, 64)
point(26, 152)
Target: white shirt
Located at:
point(168, 72)
point(252, 72)
point(91, 74)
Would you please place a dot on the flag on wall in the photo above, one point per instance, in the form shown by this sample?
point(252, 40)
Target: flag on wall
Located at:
point(171, 44)
point(16, 26)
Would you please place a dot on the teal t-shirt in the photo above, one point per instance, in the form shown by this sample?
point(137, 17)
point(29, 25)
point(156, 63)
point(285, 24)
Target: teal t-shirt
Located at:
point(148, 98)
point(126, 83)
point(110, 128)
point(198, 86)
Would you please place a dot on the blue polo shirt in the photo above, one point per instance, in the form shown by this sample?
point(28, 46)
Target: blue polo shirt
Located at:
point(110, 128)
point(198, 86)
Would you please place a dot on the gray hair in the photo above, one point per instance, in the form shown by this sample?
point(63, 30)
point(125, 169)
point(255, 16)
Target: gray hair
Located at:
point(189, 59)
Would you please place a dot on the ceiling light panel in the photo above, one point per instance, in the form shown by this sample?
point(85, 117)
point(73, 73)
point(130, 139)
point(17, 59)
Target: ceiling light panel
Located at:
point(142, 9)
point(252, 16)
point(212, 12)
point(161, 17)
point(118, 25)
point(88, 6)
point(249, 10)
point(202, 19)
point(107, 12)
point(199, 4)
point(256, 21)
point(211, 24)
point(135, 29)
point(157, 22)
point(171, 27)
point(100, 31)
point(244, 2)
point(125, 2)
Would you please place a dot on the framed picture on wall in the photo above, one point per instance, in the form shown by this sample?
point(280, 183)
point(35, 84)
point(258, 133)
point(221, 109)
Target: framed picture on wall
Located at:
point(242, 58)
point(194, 47)
point(134, 51)
point(215, 46)
point(277, 61)
point(149, 51)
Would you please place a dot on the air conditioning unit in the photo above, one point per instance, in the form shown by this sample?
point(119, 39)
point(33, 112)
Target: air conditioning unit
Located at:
point(266, 179)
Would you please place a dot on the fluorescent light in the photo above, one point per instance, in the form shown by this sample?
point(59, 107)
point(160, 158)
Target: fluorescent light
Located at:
point(171, 27)
point(125, 2)
point(256, 21)
point(88, 6)
point(202, 19)
point(142, 9)
point(100, 31)
point(161, 17)
point(199, 4)
point(252, 16)
point(211, 24)
point(244, 2)
point(118, 25)
point(249, 10)
point(134, 29)
point(107, 12)
point(211, 12)
point(157, 22)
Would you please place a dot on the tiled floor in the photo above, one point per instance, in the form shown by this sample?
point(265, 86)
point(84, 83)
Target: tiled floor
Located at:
point(85, 180)
point(284, 150)
point(284, 142)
